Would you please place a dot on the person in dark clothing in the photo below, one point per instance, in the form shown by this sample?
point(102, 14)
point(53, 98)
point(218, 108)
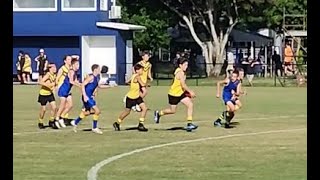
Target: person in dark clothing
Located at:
point(276, 59)
point(250, 69)
point(42, 63)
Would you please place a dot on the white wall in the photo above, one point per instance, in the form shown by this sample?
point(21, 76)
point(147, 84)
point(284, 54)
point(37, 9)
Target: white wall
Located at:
point(99, 50)
point(129, 57)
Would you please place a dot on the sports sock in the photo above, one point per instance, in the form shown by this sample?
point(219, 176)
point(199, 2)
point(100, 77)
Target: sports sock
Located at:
point(51, 119)
point(95, 121)
point(161, 113)
point(81, 116)
point(141, 120)
point(119, 120)
point(40, 120)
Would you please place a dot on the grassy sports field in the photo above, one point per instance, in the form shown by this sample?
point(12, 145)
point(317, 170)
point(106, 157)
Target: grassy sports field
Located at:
point(269, 141)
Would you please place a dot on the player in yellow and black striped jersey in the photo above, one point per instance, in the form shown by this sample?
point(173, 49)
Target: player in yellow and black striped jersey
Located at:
point(134, 98)
point(179, 92)
point(46, 95)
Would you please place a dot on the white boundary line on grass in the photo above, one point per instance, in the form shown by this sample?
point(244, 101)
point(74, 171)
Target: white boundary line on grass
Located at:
point(245, 119)
point(93, 172)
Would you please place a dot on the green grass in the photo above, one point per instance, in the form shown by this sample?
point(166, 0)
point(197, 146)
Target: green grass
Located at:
point(62, 154)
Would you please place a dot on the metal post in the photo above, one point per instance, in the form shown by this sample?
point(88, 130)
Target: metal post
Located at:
point(265, 62)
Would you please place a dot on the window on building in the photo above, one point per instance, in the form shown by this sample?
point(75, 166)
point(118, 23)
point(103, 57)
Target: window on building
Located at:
point(35, 5)
point(79, 5)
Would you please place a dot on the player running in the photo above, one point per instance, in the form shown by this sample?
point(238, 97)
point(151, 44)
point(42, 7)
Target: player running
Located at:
point(134, 98)
point(179, 92)
point(146, 74)
point(230, 94)
point(89, 88)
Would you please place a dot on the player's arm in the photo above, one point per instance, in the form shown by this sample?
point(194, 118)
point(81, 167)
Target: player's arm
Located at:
point(73, 81)
point(44, 82)
point(149, 73)
point(59, 74)
point(180, 76)
point(225, 81)
point(139, 80)
point(46, 65)
point(83, 85)
point(238, 91)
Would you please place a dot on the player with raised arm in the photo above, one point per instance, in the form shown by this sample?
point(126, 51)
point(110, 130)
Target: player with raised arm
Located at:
point(64, 93)
point(133, 98)
point(230, 93)
point(179, 92)
point(62, 73)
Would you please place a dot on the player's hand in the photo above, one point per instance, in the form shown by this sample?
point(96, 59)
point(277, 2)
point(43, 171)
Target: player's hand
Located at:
point(192, 94)
point(85, 98)
point(151, 79)
point(217, 95)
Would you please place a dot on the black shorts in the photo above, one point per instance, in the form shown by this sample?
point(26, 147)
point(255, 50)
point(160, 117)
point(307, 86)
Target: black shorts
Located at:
point(173, 100)
point(287, 63)
point(133, 102)
point(43, 100)
point(42, 72)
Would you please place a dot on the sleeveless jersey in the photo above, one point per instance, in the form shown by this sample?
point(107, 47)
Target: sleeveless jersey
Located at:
point(176, 88)
point(45, 91)
point(65, 71)
point(229, 87)
point(146, 68)
point(134, 91)
point(91, 86)
point(66, 85)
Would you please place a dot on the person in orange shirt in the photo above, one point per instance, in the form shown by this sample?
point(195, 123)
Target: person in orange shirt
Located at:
point(288, 59)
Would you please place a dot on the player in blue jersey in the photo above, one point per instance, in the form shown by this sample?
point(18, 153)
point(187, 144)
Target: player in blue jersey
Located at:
point(65, 91)
point(230, 93)
point(88, 89)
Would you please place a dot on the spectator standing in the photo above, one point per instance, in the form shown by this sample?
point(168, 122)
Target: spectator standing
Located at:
point(231, 61)
point(288, 59)
point(250, 70)
point(42, 63)
point(26, 69)
point(276, 59)
point(19, 65)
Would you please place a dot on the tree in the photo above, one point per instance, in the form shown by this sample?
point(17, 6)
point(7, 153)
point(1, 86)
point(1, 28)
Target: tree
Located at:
point(153, 18)
point(218, 18)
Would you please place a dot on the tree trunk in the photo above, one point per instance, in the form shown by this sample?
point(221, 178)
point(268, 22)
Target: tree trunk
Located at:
point(219, 64)
point(218, 56)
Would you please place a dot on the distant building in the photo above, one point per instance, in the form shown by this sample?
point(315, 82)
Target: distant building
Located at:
point(82, 27)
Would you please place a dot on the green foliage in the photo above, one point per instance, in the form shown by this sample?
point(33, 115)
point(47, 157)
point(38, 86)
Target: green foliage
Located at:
point(155, 20)
point(269, 13)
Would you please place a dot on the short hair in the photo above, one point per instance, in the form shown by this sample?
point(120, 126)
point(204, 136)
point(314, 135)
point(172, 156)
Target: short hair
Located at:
point(73, 61)
point(145, 53)
point(21, 52)
point(104, 69)
point(137, 67)
point(65, 57)
point(239, 69)
point(51, 64)
point(182, 60)
point(94, 66)
point(236, 72)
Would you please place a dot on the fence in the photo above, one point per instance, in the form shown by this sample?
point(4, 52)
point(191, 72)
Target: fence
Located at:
point(265, 74)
